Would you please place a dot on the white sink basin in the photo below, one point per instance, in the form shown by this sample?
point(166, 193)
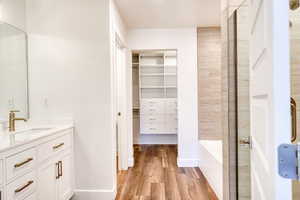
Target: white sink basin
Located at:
point(35, 130)
point(27, 134)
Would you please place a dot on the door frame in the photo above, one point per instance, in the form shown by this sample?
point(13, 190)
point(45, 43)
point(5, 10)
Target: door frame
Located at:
point(124, 120)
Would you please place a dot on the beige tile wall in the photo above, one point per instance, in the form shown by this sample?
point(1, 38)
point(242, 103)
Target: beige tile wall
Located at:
point(209, 83)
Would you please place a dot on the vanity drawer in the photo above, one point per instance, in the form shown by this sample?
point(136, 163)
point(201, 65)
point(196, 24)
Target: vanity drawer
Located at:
point(20, 163)
point(22, 187)
point(31, 197)
point(48, 149)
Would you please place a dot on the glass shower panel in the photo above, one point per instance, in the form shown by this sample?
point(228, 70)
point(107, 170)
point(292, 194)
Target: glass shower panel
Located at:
point(243, 103)
point(239, 105)
point(295, 79)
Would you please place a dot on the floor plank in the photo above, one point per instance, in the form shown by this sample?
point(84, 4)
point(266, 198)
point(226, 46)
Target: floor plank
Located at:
point(155, 176)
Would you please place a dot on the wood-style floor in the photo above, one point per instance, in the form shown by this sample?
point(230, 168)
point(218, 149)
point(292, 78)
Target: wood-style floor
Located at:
point(155, 176)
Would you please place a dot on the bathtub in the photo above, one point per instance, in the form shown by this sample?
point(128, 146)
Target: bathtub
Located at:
point(211, 164)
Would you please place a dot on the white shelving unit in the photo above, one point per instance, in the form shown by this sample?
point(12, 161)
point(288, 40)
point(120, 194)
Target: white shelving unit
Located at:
point(158, 92)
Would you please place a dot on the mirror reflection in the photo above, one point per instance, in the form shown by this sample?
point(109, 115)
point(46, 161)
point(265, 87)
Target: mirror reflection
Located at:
point(13, 72)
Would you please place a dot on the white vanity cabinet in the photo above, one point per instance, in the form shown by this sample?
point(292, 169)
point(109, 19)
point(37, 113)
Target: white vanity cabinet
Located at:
point(55, 178)
point(47, 176)
point(41, 169)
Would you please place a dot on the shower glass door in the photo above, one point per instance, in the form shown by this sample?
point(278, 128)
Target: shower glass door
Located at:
point(243, 102)
point(239, 105)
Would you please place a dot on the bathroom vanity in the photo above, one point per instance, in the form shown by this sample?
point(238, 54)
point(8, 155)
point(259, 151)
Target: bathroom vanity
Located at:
point(37, 163)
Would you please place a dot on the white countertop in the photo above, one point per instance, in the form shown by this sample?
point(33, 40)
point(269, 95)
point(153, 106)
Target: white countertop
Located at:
point(25, 135)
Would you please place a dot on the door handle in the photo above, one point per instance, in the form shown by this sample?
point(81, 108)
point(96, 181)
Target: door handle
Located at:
point(294, 119)
point(57, 170)
point(24, 187)
point(58, 146)
point(60, 171)
point(23, 163)
point(246, 141)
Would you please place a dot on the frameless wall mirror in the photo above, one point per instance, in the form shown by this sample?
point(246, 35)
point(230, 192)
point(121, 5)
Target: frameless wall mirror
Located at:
point(13, 71)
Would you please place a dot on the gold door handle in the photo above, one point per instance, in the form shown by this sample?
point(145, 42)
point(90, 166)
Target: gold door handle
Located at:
point(57, 168)
point(60, 170)
point(58, 146)
point(23, 163)
point(24, 187)
point(294, 119)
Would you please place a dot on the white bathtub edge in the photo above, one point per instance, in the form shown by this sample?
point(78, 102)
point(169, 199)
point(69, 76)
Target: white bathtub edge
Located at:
point(211, 167)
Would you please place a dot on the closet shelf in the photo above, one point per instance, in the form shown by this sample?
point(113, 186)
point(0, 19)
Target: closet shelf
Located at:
point(147, 65)
point(170, 56)
point(152, 87)
point(159, 74)
point(170, 74)
point(152, 74)
point(152, 55)
point(159, 87)
point(170, 65)
point(135, 109)
point(171, 87)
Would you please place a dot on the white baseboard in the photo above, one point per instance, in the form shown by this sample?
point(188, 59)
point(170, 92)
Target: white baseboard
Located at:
point(130, 162)
point(182, 162)
point(94, 195)
point(158, 139)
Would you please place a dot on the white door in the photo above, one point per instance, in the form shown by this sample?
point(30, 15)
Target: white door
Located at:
point(47, 181)
point(122, 112)
point(269, 96)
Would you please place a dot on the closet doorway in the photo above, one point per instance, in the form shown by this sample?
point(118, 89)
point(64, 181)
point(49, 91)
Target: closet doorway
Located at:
point(154, 97)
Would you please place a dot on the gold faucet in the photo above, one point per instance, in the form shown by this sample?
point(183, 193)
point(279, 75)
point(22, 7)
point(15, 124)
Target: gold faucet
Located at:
point(13, 119)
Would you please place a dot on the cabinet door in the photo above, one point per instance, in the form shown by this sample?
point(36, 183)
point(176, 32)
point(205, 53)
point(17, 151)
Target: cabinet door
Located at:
point(1, 194)
point(31, 197)
point(65, 182)
point(47, 181)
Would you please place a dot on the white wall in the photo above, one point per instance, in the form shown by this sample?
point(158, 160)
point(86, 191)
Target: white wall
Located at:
point(13, 12)
point(185, 41)
point(70, 76)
